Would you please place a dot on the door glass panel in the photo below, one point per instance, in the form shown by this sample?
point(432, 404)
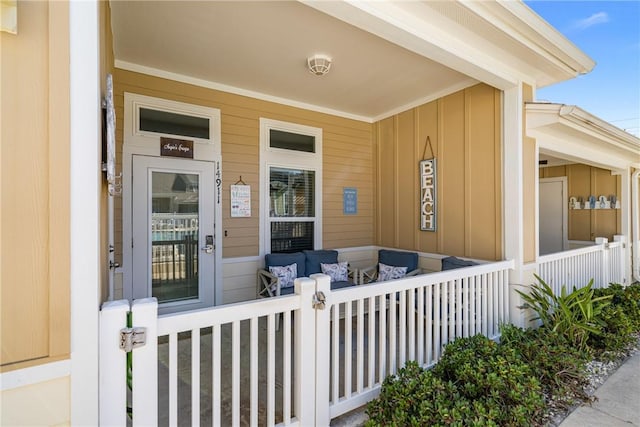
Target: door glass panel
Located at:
point(174, 236)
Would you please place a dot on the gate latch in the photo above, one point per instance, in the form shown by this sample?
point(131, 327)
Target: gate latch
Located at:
point(319, 300)
point(131, 338)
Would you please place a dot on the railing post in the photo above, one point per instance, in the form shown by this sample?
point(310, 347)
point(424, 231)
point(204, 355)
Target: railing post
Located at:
point(144, 390)
point(604, 260)
point(305, 352)
point(112, 364)
point(323, 351)
point(624, 259)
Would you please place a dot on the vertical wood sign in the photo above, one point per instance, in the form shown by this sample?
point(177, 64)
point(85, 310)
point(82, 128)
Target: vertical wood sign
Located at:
point(428, 177)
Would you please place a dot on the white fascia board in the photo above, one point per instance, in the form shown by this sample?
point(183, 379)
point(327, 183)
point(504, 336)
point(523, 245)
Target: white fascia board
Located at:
point(398, 24)
point(596, 125)
point(549, 41)
point(569, 121)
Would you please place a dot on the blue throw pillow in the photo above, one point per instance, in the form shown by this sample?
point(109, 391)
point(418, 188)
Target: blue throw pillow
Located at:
point(315, 258)
point(279, 260)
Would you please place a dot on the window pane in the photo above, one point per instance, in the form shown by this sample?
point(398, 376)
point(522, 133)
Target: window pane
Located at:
point(291, 236)
point(291, 193)
point(292, 141)
point(173, 124)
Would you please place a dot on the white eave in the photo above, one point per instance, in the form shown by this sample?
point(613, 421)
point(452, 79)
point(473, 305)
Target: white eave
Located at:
point(497, 42)
point(575, 133)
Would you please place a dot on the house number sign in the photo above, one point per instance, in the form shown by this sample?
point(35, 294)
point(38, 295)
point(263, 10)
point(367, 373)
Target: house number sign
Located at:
point(428, 195)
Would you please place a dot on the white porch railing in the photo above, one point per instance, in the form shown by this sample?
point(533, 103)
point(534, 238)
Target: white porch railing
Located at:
point(603, 262)
point(229, 365)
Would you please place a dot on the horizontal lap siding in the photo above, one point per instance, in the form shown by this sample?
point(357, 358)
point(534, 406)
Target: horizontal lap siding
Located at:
point(347, 161)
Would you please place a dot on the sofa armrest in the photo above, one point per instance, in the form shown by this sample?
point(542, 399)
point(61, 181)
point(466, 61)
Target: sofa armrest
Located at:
point(268, 284)
point(353, 274)
point(415, 272)
point(368, 274)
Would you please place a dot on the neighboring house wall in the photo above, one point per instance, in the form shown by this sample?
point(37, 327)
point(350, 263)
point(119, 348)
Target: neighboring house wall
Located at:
point(347, 159)
point(34, 229)
point(584, 181)
point(465, 132)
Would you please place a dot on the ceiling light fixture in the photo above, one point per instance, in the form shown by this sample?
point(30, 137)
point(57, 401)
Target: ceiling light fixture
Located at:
point(319, 64)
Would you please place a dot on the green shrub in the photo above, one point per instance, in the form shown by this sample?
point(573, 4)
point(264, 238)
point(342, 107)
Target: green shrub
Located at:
point(411, 397)
point(621, 319)
point(627, 299)
point(573, 315)
point(558, 365)
point(476, 383)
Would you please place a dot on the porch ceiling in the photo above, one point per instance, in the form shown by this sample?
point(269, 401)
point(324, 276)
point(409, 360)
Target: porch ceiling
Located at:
point(382, 62)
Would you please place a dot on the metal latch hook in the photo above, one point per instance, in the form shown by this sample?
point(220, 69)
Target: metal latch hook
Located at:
point(319, 300)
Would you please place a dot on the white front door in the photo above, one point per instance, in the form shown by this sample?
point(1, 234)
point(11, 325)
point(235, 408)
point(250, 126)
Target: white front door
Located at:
point(553, 215)
point(173, 232)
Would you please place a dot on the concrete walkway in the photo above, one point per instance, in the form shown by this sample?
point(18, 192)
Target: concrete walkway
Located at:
point(618, 401)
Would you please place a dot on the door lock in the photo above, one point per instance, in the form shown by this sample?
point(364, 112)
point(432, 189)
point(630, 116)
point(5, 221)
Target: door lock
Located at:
point(208, 247)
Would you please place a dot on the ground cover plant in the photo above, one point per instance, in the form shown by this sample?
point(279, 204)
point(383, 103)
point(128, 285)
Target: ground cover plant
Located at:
point(526, 378)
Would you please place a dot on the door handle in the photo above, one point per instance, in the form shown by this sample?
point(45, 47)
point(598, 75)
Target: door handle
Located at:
point(208, 247)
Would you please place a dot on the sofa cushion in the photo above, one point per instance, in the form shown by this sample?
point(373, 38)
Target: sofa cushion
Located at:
point(398, 259)
point(340, 285)
point(298, 258)
point(451, 262)
point(315, 258)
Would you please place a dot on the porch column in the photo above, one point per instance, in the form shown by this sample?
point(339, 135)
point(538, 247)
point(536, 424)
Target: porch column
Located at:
point(513, 201)
point(625, 222)
point(84, 50)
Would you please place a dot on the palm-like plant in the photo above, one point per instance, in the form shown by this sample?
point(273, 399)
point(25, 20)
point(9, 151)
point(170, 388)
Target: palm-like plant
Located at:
point(573, 315)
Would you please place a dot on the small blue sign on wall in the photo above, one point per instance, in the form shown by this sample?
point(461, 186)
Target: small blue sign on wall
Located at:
point(349, 201)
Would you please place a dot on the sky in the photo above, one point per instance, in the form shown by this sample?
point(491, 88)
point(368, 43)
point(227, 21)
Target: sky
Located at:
point(609, 33)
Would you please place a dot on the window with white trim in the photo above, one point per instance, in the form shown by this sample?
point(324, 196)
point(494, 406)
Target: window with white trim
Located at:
point(291, 171)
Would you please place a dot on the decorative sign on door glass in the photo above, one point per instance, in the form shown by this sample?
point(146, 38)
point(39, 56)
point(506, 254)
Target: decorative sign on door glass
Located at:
point(240, 201)
point(428, 195)
point(171, 147)
point(349, 201)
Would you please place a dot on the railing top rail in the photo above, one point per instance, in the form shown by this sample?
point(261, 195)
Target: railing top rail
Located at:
point(570, 253)
point(207, 317)
point(613, 245)
point(430, 279)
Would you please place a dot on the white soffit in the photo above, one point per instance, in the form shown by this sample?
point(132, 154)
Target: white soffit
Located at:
point(573, 133)
point(387, 56)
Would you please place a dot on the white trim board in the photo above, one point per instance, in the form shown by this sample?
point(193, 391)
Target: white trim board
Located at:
point(34, 375)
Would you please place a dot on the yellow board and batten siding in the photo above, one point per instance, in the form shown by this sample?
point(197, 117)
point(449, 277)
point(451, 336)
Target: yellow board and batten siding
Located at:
point(35, 187)
point(34, 224)
point(584, 181)
point(465, 133)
